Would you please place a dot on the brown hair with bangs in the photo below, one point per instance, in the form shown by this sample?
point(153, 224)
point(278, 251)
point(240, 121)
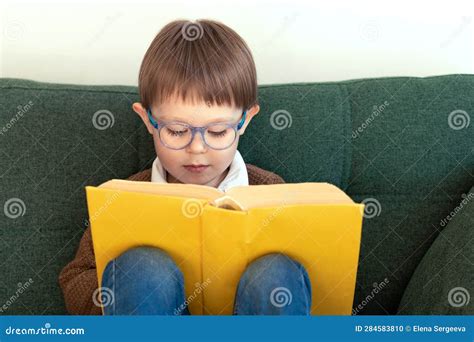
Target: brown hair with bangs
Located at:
point(199, 61)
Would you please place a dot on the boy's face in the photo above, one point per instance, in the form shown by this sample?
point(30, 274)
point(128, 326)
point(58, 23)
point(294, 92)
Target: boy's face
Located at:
point(197, 114)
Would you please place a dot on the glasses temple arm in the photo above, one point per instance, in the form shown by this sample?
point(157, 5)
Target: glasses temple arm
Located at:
point(241, 123)
point(152, 120)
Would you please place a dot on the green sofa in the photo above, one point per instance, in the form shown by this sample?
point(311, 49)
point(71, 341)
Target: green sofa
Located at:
point(401, 145)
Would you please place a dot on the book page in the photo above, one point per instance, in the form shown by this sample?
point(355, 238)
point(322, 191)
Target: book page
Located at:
point(289, 193)
point(167, 189)
point(241, 197)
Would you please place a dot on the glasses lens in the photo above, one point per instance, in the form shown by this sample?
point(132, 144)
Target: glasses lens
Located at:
point(219, 136)
point(175, 136)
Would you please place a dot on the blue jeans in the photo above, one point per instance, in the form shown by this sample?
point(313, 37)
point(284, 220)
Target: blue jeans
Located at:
point(146, 281)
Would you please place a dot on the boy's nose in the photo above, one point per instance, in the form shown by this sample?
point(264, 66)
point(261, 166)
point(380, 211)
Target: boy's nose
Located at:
point(197, 144)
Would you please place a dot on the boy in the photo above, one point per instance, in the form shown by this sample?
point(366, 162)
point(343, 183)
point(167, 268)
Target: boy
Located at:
point(198, 90)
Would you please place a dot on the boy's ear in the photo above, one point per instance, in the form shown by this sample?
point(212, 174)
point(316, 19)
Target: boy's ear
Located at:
point(141, 111)
point(251, 112)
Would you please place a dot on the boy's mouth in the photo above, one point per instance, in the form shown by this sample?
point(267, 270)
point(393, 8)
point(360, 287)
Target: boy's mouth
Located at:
point(196, 167)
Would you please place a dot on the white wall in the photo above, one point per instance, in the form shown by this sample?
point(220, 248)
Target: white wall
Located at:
point(103, 42)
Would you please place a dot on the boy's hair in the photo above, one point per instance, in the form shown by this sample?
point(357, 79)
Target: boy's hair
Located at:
point(199, 61)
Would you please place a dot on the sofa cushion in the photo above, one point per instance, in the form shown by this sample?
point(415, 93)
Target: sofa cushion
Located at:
point(443, 283)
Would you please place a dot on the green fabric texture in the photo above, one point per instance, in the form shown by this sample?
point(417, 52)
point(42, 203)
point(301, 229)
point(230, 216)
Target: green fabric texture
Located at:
point(406, 157)
point(443, 282)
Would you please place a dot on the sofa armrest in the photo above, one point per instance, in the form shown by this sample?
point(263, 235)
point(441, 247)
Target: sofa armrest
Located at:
point(443, 282)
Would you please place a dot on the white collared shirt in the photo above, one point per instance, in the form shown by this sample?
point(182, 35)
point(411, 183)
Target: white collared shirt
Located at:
point(236, 176)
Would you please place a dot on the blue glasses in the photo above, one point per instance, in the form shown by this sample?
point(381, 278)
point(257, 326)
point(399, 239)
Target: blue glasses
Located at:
point(178, 135)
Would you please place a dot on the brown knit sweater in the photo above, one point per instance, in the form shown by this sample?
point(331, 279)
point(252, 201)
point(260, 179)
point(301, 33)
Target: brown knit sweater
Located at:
point(78, 279)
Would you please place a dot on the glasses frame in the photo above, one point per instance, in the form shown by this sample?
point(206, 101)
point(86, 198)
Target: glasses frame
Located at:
point(160, 124)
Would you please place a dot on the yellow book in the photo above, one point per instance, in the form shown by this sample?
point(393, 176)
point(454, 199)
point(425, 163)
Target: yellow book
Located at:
point(213, 236)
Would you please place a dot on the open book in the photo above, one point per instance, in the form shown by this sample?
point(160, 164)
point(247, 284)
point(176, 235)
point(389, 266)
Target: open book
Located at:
point(213, 236)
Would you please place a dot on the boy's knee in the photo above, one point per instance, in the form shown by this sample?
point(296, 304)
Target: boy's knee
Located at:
point(274, 264)
point(146, 252)
point(274, 284)
point(274, 270)
point(145, 257)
